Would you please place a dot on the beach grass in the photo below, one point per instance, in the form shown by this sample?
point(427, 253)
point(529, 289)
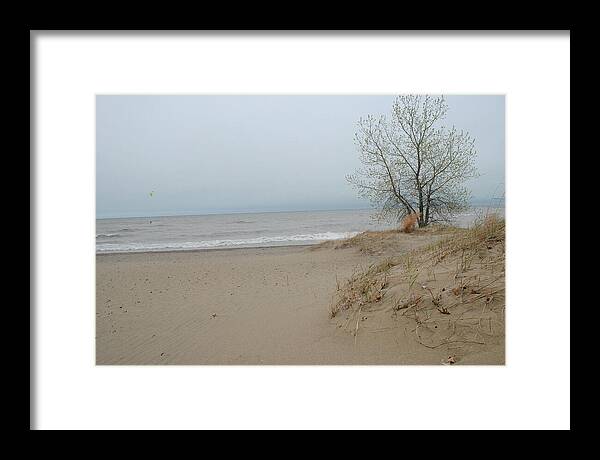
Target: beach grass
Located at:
point(454, 284)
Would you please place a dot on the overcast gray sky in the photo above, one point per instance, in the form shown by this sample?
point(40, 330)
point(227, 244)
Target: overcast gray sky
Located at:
point(211, 154)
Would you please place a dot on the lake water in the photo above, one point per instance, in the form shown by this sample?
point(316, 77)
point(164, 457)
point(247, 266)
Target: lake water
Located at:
point(171, 233)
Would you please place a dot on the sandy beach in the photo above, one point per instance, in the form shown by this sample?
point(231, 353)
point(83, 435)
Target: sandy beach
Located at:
point(259, 306)
point(240, 306)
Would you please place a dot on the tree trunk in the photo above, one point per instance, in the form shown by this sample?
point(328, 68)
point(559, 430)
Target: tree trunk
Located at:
point(421, 216)
point(428, 205)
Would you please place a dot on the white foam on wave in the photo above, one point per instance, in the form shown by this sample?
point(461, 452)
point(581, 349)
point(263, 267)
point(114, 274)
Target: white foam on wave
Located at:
point(310, 238)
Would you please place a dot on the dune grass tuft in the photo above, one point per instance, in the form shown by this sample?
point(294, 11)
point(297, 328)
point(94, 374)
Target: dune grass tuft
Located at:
point(363, 287)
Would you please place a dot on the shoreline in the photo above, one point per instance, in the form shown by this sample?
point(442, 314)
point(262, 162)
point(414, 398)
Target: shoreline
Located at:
point(235, 248)
point(140, 237)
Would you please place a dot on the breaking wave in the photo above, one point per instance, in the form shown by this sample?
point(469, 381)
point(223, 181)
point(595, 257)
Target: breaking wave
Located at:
point(262, 241)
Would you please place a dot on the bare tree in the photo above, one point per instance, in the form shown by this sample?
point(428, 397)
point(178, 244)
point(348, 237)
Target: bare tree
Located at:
point(413, 164)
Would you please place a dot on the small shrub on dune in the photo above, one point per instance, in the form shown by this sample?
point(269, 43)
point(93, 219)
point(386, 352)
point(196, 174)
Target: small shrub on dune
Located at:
point(409, 222)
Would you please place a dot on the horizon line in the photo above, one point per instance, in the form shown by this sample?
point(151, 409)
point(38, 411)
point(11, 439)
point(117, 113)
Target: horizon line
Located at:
point(219, 213)
point(204, 213)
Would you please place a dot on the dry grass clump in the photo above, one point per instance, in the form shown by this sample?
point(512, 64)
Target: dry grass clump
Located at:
point(385, 242)
point(485, 233)
point(409, 222)
point(437, 229)
point(362, 240)
point(363, 287)
point(370, 242)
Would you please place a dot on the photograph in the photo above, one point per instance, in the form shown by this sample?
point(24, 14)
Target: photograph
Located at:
point(283, 229)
